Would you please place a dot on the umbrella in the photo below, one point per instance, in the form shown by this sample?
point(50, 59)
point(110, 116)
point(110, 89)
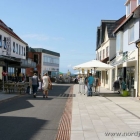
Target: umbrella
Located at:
point(94, 64)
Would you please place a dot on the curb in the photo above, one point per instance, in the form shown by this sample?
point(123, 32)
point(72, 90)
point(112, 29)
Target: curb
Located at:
point(64, 129)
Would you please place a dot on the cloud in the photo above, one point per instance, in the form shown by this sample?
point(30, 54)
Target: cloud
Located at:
point(39, 37)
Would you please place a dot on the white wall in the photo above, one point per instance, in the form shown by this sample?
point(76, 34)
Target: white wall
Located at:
point(126, 45)
point(5, 34)
point(112, 48)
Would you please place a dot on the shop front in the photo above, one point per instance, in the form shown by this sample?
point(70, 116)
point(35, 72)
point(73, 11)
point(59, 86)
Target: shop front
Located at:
point(126, 68)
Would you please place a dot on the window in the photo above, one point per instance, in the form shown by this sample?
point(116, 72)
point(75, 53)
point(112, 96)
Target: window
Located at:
point(103, 53)
point(100, 55)
point(119, 42)
point(5, 43)
point(36, 58)
point(106, 51)
point(24, 51)
point(128, 9)
point(106, 77)
point(131, 34)
point(0, 41)
point(13, 47)
point(10, 71)
point(16, 48)
point(19, 50)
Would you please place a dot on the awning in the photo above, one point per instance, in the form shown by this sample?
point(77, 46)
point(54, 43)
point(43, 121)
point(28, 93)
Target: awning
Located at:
point(94, 64)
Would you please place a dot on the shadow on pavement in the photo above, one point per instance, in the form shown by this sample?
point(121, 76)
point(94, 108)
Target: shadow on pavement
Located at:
point(23, 103)
point(19, 128)
point(110, 94)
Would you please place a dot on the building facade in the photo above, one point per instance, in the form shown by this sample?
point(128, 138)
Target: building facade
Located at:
point(47, 62)
point(126, 61)
point(13, 58)
point(106, 47)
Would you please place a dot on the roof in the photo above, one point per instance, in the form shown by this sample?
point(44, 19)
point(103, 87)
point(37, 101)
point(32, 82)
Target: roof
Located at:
point(7, 29)
point(44, 51)
point(123, 22)
point(127, 19)
point(110, 24)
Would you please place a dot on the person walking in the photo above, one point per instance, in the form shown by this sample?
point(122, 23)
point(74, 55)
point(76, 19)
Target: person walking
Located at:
point(90, 84)
point(46, 81)
point(35, 84)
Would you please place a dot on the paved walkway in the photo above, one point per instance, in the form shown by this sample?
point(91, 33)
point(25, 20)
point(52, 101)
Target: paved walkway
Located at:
point(5, 96)
point(94, 116)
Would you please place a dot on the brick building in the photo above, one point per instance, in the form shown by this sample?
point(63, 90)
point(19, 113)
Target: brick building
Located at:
point(46, 61)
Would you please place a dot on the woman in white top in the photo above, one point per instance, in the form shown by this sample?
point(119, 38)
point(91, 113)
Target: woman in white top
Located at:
point(46, 81)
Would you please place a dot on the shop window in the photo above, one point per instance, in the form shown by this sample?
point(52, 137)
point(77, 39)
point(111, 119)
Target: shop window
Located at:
point(36, 58)
point(131, 34)
point(0, 41)
point(13, 47)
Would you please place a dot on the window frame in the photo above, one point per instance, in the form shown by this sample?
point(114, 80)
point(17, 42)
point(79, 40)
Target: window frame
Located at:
point(129, 34)
point(0, 41)
point(4, 46)
point(14, 47)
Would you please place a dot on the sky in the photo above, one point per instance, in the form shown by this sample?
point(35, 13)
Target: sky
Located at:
point(68, 27)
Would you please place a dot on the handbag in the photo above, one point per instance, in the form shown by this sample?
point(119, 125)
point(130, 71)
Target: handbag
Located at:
point(50, 86)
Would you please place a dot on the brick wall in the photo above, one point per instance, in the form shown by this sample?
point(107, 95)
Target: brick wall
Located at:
point(30, 71)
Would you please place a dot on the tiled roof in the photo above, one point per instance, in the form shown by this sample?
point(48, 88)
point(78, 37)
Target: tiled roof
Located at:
point(7, 29)
point(111, 26)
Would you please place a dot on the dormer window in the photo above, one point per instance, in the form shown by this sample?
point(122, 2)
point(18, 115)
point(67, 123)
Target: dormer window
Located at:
point(130, 6)
point(128, 9)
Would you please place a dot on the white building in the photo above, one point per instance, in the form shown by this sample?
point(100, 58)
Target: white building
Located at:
point(12, 52)
point(127, 33)
point(105, 47)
